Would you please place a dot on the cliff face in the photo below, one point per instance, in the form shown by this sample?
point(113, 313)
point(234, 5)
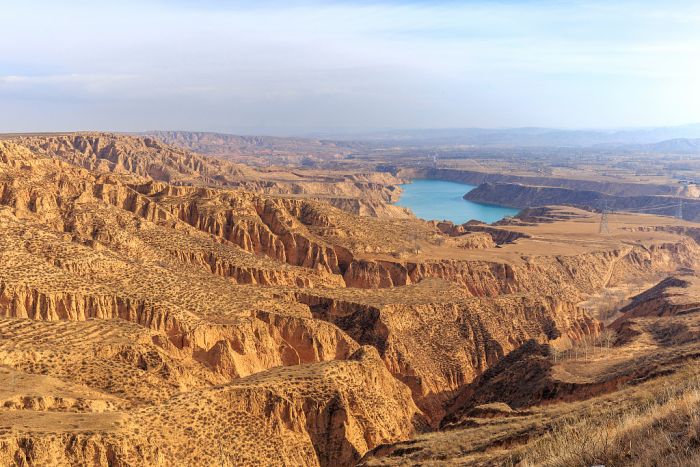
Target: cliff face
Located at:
point(115, 286)
point(307, 235)
point(519, 380)
point(148, 158)
point(362, 207)
point(74, 258)
point(536, 397)
point(111, 364)
point(654, 260)
point(478, 178)
point(570, 274)
point(323, 414)
point(524, 196)
point(144, 157)
point(152, 323)
point(74, 204)
point(435, 339)
point(675, 295)
point(497, 235)
point(176, 305)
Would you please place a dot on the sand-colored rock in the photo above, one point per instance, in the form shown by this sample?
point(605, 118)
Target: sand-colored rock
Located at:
point(148, 158)
point(435, 337)
point(534, 394)
point(524, 196)
point(158, 307)
point(323, 414)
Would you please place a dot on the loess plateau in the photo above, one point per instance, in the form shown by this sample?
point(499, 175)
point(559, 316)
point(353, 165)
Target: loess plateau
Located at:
point(163, 307)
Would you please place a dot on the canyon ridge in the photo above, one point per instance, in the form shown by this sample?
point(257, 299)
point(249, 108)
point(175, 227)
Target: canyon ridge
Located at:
point(183, 298)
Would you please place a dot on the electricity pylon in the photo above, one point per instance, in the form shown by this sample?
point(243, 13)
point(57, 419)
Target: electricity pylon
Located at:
point(679, 212)
point(603, 228)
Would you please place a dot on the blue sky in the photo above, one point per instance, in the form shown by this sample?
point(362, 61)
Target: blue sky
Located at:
point(298, 67)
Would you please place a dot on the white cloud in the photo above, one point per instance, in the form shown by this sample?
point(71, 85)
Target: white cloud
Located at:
point(333, 64)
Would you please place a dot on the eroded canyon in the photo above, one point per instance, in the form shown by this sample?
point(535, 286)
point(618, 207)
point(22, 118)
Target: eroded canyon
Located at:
point(163, 307)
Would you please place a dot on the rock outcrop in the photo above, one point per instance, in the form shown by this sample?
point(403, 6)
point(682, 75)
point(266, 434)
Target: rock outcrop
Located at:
point(524, 196)
point(616, 188)
point(324, 414)
point(675, 295)
point(155, 312)
point(435, 338)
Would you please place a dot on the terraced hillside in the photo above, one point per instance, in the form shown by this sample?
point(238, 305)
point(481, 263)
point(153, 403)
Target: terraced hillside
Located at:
point(150, 159)
point(159, 307)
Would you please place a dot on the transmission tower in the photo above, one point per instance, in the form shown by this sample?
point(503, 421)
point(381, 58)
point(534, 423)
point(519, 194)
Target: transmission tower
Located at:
point(679, 212)
point(414, 243)
point(603, 228)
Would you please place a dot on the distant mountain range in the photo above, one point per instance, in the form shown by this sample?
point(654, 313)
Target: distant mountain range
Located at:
point(676, 146)
point(680, 139)
point(218, 143)
point(532, 137)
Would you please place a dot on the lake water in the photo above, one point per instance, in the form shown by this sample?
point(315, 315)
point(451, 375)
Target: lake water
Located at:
point(438, 200)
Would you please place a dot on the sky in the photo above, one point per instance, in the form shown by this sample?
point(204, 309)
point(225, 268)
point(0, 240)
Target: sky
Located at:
point(297, 68)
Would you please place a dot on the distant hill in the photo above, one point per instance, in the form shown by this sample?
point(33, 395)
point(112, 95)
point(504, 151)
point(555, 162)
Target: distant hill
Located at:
point(678, 145)
point(533, 137)
point(227, 144)
point(663, 139)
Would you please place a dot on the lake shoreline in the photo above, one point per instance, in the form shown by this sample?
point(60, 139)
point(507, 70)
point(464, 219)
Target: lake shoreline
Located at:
point(431, 199)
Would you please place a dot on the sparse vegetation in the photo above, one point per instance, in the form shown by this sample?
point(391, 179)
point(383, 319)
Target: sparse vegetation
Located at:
point(158, 306)
point(662, 429)
point(587, 347)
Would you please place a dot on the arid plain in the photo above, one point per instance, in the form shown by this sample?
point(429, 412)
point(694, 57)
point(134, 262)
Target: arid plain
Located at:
point(196, 299)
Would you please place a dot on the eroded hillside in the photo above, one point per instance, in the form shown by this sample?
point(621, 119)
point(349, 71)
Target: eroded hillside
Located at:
point(160, 307)
point(629, 397)
point(150, 159)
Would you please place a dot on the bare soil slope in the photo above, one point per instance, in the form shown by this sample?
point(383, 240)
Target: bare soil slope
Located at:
point(155, 312)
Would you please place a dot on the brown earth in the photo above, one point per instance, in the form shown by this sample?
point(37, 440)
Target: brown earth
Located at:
point(600, 183)
point(150, 159)
point(256, 149)
point(161, 307)
point(613, 401)
point(526, 196)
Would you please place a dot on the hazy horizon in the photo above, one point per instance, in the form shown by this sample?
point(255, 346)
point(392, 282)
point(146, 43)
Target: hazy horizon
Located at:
point(315, 134)
point(303, 68)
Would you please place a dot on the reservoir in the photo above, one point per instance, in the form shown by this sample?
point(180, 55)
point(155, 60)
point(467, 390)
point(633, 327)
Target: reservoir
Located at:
point(438, 200)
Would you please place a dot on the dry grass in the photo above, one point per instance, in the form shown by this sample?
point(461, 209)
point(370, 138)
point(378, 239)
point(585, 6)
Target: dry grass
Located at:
point(664, 429)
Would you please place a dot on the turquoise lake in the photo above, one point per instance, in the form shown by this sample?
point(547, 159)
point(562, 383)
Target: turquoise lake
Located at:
point(438, 200)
